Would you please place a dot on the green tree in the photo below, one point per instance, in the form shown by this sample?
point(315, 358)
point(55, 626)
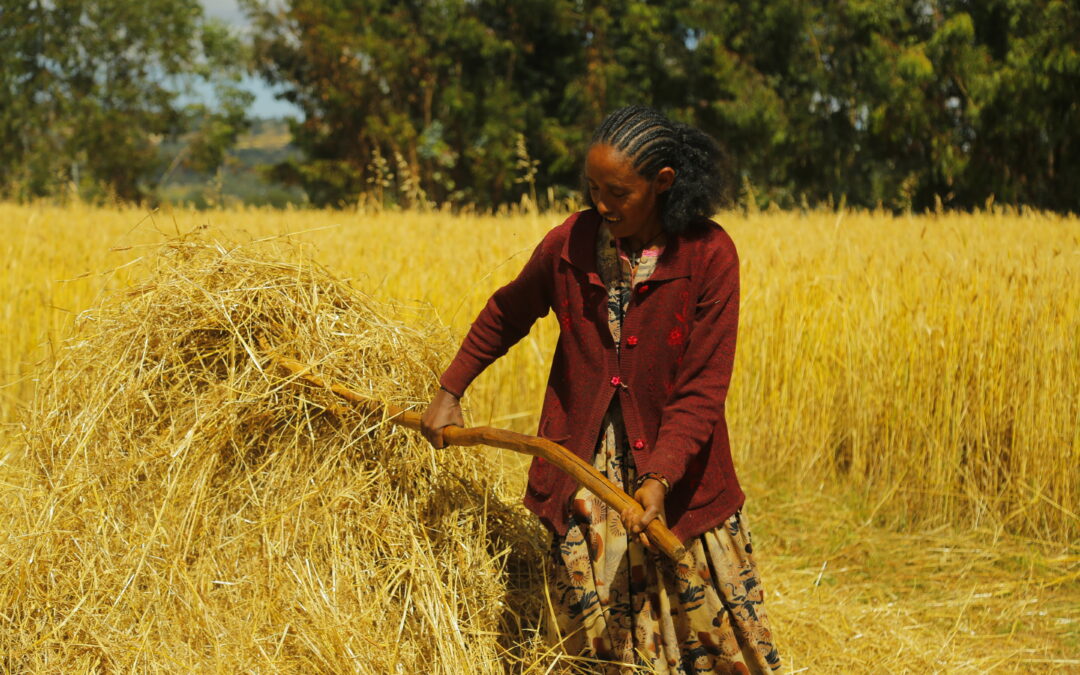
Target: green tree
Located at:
point(894, 102)
point(90, 87)
point(437, 92)
point(915, 101)
point(1025, 145)
point(450, 87)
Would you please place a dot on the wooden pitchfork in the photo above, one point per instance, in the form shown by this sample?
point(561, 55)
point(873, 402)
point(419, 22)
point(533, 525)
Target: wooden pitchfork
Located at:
point(583, 472)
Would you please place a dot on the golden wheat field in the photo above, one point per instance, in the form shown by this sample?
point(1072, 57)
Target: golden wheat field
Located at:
point(905, 414)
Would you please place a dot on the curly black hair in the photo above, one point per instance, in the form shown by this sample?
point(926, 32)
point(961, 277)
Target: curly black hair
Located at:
point(651, 141)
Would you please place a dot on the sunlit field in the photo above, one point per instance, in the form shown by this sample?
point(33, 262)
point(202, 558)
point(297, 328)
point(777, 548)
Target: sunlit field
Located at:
point(905, 414)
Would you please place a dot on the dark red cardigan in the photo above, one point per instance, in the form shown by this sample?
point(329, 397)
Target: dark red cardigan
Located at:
point(671, 373)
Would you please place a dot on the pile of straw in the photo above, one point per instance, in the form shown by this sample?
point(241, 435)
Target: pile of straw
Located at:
point(195, 508)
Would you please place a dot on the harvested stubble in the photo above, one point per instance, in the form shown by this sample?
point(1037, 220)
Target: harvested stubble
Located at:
point(195, 510)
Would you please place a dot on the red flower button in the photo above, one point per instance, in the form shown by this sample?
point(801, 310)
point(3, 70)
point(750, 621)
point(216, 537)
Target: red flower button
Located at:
point(639, 444)
point(631, 341)
point(616, 381)
point(675, 337)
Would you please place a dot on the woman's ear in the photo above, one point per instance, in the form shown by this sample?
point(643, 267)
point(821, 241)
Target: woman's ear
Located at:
point(665, 177)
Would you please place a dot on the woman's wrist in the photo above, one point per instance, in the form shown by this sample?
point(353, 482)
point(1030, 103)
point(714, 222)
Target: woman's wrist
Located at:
point(455, 395)
point(652, 475)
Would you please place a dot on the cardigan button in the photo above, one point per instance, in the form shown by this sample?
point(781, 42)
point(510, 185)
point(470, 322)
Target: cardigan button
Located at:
point(631, 341)
point(616, 381)
point(639, 444)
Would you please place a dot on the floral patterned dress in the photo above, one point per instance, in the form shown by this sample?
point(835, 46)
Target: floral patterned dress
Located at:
point(627, 609)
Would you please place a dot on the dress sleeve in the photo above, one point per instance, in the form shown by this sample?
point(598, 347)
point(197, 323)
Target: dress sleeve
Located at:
point(505, 319)
point(701, 382)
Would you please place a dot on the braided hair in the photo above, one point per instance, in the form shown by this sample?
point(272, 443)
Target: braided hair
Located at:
point(651, 141)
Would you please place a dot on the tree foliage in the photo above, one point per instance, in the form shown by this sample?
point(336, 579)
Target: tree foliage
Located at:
point(902, 103)
point(893, 102)
point(88, 88)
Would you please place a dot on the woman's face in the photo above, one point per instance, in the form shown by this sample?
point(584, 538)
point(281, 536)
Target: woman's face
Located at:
point(627, 201)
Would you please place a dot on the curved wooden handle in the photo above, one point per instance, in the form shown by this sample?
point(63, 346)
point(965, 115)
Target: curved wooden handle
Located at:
point(583, 472)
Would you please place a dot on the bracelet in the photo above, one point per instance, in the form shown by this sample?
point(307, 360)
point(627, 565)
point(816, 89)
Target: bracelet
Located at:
point(457, 396)
point(658, 477)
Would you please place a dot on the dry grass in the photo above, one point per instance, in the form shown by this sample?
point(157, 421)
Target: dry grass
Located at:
point(190, 509)
point(847, 596)
point(931, 362)
point(905, 410)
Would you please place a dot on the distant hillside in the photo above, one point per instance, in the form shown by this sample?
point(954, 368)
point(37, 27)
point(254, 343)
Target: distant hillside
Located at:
point(243, 178)
point(266, 134)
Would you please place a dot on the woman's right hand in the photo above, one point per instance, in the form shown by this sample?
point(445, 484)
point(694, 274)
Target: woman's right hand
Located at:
point(444, 410)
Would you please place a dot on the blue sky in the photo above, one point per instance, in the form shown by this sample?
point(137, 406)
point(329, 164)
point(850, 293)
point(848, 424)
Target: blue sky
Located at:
point(266, 105)
point(226, 10)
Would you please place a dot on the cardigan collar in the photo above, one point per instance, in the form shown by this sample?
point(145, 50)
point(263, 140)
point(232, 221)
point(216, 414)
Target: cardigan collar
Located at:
point(580, 251)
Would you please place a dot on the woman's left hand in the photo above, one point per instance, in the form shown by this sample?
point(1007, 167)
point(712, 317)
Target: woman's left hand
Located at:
point(651, 497)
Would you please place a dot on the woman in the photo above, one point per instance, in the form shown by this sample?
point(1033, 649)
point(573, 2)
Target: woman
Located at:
point(646, 290)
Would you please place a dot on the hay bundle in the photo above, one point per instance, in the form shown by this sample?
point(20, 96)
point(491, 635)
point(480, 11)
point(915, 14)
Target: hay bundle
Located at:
point(193, 508)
